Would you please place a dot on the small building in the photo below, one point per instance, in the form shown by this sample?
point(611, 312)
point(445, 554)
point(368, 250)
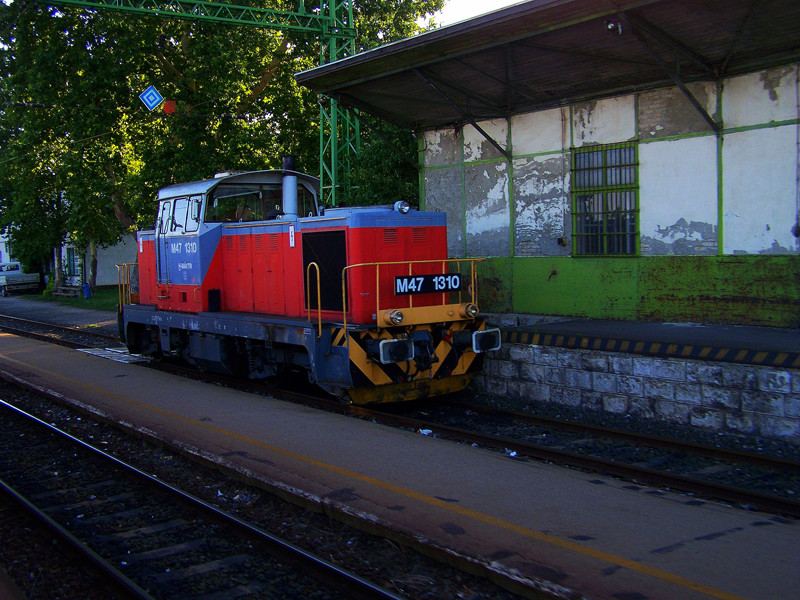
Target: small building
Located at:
point(628, 160)
point(76, 263)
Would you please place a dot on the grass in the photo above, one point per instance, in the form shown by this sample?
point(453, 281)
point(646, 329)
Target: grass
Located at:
point(104, 298)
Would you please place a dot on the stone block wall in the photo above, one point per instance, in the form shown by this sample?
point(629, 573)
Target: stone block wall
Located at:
point(720, 397)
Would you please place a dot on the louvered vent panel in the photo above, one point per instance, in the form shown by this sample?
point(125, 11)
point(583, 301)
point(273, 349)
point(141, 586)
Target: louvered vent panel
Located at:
point(419, 235)
point(273, 241)
point(391, 236)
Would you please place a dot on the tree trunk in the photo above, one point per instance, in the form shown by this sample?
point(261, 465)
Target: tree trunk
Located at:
point(92, 280)
point(58, 270)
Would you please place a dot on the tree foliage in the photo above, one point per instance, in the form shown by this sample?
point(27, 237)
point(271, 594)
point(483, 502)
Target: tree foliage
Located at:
point(83, 157)
point(385, 170)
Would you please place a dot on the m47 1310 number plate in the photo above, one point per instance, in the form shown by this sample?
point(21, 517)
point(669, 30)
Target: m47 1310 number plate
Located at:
point(427, 284)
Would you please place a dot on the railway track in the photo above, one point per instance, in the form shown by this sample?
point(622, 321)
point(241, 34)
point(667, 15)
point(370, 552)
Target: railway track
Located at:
point(71, 337)
point(764, 483)
point(148, 537)
point(746, 479)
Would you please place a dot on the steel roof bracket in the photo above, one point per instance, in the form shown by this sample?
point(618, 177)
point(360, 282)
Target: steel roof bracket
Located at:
point(639, 25)
point(466, 116)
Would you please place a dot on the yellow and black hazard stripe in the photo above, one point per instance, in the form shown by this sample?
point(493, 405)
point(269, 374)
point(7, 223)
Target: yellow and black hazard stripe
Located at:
point(448, 369)
point(786, 359)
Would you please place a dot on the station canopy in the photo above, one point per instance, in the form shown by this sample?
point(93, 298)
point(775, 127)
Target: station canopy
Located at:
point(547, 53)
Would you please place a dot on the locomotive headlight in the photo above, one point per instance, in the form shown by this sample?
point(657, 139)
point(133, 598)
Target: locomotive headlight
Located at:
point(468, 310)
point(394, 317)
point(402, 207)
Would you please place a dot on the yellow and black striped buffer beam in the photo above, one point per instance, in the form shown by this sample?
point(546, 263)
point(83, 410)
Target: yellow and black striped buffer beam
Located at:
point(446, 360)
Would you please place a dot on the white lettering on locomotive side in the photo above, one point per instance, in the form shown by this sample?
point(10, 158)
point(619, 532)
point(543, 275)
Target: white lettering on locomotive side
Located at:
point(183, 247)
point(408, 284)
point(447, 282)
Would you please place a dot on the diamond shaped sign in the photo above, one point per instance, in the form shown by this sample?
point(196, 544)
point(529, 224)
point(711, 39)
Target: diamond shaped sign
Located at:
point(151, 97)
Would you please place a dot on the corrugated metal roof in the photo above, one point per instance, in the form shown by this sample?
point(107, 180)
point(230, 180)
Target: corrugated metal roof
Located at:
point(547, 53)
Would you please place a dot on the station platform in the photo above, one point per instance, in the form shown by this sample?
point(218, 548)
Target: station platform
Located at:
point(765, 346)
point(575, 534)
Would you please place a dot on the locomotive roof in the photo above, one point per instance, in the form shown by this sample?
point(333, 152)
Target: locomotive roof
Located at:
point(250, 177)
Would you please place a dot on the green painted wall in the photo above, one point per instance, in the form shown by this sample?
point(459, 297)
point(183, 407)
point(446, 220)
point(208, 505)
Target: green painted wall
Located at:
point(759, 290)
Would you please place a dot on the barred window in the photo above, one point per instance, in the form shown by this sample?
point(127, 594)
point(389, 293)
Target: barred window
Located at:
point(605, 186)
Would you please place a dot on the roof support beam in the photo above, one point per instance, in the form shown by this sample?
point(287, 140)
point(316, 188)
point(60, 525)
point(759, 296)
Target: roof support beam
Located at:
point(466, 117)
point(641, 24)
point(467, 93)
point(508, 82)
point(745, 23)
point(678, 80)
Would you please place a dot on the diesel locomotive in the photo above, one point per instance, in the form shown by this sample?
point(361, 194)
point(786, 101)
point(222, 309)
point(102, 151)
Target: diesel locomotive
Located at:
point(245, 275)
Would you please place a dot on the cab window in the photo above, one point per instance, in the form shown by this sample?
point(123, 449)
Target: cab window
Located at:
point(193, 216)
point(165, 217)
point(179, 215)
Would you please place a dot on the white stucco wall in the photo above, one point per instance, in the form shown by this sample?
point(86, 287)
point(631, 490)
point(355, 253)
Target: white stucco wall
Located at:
point(540, 132)
point(763, 97)
point(605, 121)
point(760, 191)
point(678, 196)
point(109, 258)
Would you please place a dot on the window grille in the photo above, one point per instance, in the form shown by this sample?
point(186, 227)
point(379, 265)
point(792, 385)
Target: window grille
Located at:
point(605, 189)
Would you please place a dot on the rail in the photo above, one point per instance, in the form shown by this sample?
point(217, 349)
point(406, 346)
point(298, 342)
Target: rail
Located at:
point(446, 263)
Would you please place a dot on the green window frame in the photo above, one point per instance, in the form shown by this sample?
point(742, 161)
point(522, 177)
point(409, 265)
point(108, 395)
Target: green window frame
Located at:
point(71, 266)
point(605, 200)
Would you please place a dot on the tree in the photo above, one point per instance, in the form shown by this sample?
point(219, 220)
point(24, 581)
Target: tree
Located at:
point(84, 158)
point(385, 171)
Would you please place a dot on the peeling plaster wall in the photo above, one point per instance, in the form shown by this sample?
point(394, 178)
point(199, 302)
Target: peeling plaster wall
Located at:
point(763, 97)
point(678, 197)
point(668, 112)
point(477, 147)
point(488, 218)
point(542, 213)
point(604, 121)
point(715, 211)
point(443, 193)
point(442, 148)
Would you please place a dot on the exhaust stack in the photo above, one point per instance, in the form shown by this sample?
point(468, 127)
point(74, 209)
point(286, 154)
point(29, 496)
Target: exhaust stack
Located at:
point(289, 187)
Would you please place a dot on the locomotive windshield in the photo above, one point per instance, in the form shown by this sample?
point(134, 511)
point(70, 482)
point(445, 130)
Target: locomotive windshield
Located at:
point(242, 203)
point(181, 215)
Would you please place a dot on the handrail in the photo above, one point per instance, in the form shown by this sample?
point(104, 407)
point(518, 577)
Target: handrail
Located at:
point(319, 296)
point(473, 279)
point(124, 284)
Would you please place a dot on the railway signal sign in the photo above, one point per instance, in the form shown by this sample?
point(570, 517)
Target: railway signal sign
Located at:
point(151, 98)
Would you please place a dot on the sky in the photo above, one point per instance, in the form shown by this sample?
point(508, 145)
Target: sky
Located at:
point(458, 10)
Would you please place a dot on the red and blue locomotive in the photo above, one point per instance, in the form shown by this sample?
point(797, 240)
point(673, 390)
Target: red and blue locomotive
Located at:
point(245, 275)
